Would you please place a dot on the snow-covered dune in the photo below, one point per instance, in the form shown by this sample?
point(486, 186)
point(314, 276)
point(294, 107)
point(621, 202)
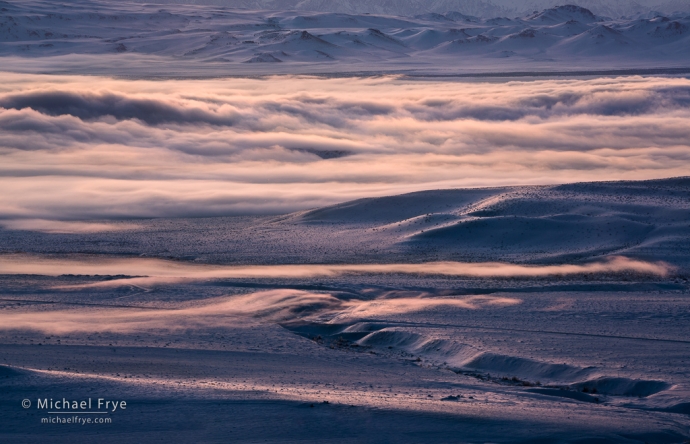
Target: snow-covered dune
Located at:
point(570, 305)
point(565, 222)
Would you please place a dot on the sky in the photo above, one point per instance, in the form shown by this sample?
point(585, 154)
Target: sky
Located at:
point(96, 148)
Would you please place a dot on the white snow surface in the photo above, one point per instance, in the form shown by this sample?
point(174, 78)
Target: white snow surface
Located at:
point(479, 8)
point(332, 324)
point(553, 313)
point(190, 40)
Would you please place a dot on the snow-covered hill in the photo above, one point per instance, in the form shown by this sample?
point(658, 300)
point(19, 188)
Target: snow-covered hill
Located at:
point(480, 8)
point(582, 222)
point(565, 222)
point(97, 37)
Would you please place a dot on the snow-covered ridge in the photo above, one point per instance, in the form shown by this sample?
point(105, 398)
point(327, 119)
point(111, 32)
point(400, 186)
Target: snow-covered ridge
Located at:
point(563, 222)
point(249, 40)
point(480, 8)
point(560, 224)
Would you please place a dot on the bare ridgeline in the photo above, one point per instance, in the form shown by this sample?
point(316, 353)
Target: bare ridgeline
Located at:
point(556, 313)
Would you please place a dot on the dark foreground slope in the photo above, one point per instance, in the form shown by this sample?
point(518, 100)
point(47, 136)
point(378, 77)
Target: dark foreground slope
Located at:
point(202, 352)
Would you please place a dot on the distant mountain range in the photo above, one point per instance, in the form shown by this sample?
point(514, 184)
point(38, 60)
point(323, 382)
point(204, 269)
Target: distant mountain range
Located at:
point(478, 8)
point(243, 41)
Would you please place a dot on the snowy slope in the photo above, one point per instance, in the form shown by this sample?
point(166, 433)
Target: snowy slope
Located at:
point(554, 223)
point(96, 37)
point(542, 224)
point(205, 333)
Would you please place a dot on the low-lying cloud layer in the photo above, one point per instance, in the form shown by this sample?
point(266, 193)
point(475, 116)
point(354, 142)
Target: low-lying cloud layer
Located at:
point(272, 305)
point(75, 147)
point(62, 227)
point(156, 271)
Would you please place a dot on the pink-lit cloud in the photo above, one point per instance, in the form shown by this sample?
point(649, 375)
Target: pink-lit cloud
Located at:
point(88, 147)
point(273, 305)
point(153, 271)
